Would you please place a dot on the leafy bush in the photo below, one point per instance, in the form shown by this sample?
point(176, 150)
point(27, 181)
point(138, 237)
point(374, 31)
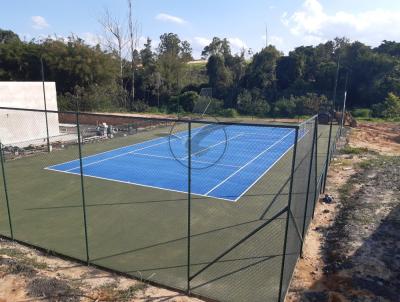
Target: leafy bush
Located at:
point(211, 105)
point(390, 108)
point(361, 112)
point(140, 106)
point(229, 112)
point(187, 100)
point(307, 105)
point(285, 107)
point(310, 104)
point(252, 103)
point(94, 98)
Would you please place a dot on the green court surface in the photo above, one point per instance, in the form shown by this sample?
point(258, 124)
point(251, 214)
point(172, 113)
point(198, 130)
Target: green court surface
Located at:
point(143, 231)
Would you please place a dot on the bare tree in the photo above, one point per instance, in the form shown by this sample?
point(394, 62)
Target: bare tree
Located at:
point(133, 44)
point(115, 41)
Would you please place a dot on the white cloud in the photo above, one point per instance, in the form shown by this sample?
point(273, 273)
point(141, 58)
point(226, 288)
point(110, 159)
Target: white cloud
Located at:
point(201, 41)
point(169, 18)
point(38, 22)
point(237, 44)
point(314, 25)
point(91, 38)
point(274, 40)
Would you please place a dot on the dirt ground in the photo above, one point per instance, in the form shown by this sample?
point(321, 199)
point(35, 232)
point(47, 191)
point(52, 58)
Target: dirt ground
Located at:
point(352, 249)
point(27, 274)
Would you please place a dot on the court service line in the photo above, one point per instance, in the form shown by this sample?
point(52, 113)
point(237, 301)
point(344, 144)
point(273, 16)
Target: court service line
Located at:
point(248, 163)
point(116, 156)
point(209, 147)
point(266, 171)
point(193, 160)
point(129, 146)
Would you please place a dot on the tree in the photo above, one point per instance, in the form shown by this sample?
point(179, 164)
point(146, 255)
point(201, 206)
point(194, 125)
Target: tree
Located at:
point(172, 56)
point(186, 51)
point(261, 72)
point(115, 41)
point(288, 70)
point(151, 78)
point(389, 47)
point(7, 36)
point(220, 77)
point(390, 108)
point(217, 47)
point(133, 44)
point(252, 103)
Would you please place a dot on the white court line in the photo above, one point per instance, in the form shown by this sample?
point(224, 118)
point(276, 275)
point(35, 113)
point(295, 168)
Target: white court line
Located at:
point(193, 160)
point(128, 146)
point(221, 142)
point(266, 171)
point(116, 156)
point(139, 184)
point(168, 189)
point(248, 163)
point(136, 150)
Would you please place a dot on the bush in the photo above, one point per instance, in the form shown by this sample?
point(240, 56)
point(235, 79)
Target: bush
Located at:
point(390, 108)
point(285, 107)
point(211, 105)
point(362, 112)
point(187, 100)
point(140, 106)
point(229, 112)
point(304, 105)
point(252, 103)
point(94, 98)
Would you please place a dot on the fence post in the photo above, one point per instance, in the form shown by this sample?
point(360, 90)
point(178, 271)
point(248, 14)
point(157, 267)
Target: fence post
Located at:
point(328, 154)
point(307, 193)
point(316, 194)
point(45, 106)
point(189, 202)
point(288, 212)
point(82, 187)
point(2, 159)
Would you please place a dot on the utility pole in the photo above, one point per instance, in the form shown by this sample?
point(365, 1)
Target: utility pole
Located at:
point(266, 35)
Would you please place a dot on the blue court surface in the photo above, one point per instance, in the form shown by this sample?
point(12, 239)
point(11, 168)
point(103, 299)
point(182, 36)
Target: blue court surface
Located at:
point(226, 161)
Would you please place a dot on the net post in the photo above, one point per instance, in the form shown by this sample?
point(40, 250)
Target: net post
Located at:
point(189, 203)
point(288, 213)
point(316, 193)
point(82, 187)
point(2, 159)
point(307, 193)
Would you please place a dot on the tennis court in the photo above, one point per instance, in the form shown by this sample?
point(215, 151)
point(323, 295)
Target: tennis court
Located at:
point(226, 160)
point(131, 211)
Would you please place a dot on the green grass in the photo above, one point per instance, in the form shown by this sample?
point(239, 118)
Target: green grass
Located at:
point(143, 231)
point(354, 150)
point(378, 119)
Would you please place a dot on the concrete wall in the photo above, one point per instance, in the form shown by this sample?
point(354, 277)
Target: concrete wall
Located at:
point(20, 126)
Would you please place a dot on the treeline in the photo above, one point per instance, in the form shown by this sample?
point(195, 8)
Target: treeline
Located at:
point(166, 79)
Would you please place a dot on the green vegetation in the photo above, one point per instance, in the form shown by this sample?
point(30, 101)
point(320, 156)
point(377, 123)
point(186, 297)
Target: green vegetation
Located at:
point(353, 150)
point(266, 83)
point(110, 291)
point(362, 112)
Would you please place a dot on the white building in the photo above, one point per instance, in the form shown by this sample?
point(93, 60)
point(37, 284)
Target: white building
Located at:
point(22, 128)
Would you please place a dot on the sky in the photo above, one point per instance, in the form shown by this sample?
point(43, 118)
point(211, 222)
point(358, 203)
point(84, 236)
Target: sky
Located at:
point(290, 23)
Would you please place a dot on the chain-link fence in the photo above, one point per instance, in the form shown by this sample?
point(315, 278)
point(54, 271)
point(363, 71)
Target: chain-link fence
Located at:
point(216, 209)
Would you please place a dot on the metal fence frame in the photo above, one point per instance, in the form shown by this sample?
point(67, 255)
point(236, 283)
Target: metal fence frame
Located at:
point(319, 182)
